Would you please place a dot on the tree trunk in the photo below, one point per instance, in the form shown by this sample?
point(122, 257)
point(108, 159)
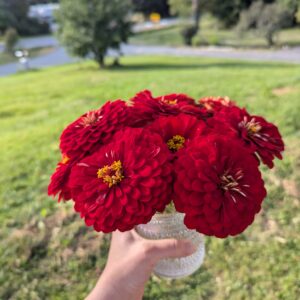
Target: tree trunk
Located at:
point(116, 62)
point(197, 16)
point(99, 57)
point(196, 13)
point(270, 39)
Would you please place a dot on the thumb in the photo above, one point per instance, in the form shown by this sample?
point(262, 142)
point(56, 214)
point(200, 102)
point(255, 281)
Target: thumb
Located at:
point(171, 248)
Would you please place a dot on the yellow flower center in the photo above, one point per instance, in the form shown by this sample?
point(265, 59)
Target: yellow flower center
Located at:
point(176, 142)
point(254, 128)
point(251, 126)
point(65, 159)
point(170, 102)
point(112, 174)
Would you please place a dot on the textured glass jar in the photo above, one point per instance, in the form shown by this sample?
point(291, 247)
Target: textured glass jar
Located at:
point(163, 226)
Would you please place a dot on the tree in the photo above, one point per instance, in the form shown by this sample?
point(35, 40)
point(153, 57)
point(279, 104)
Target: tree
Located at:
point(92, 26)
point(228, 11)
point(273, 18)
point(6, 18)
point(191, 9)
point(33, 2)
point(265, 19)
point(14, 14)
point(19, 8)
point(147, 7)
point(293, 6)
point(10, 39)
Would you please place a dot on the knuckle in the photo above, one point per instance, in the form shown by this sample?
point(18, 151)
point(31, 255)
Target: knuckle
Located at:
point(148, 254)
point(174, 244)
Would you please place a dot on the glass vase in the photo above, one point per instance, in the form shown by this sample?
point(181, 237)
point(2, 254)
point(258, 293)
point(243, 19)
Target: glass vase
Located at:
point(164, 226)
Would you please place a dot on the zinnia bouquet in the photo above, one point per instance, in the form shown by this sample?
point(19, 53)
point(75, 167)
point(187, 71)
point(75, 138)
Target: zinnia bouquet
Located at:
point(126, 161)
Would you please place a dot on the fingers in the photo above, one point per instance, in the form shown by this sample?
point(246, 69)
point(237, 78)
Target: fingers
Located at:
point(157, 249)
point(170, 248)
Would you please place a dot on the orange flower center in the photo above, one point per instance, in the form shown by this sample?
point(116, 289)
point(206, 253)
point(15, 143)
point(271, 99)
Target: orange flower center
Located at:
point(112, 174)
point(176, 142)
point(65, 159)
point(210, 102)
point(170, 102)
point(90, 119)
point(251, 126)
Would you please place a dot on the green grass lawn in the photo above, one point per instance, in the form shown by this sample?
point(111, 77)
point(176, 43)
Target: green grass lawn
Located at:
point(46, 252)
point(169, 36)
point(210, 35)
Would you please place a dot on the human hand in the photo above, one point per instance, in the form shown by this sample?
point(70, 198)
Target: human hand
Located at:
point(130, 262)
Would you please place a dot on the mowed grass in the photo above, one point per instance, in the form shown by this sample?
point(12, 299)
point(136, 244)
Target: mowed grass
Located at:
point(210, 35)
point(46, 252)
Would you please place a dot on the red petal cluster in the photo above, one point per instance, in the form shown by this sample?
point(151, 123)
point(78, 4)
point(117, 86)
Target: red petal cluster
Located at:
point(261, 136)
point(218, 186)
point(146, 108)
point(123, 163)
point(187, 127)
point(59, 182)
point(94, 128)
point(145, 188)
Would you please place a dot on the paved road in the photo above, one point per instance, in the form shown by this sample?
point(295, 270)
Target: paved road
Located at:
point(40, 41)
point(284, 55)
point(56, 57)
point(59, 55)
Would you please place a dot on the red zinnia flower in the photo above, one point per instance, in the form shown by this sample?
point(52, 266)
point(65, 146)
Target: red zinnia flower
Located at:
point(59, 180)
point(146, 108)
point(263, 137)
point(123, 183)
point(218, 186)
point(93, 129)
point(178, 131)
point(216, 103)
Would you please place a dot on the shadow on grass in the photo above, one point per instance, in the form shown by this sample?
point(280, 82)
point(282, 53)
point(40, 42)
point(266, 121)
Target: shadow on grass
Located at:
point(186, 66)
point(30, 70)
point(200, 285)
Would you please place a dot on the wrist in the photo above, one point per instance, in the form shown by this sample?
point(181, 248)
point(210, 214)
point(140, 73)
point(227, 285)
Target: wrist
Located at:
point(112, 286)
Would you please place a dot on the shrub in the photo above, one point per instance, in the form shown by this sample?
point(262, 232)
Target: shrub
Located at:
point(11, 38)
point(14, 14)
point(190, 8)
point(30, 26)
point(265, 19)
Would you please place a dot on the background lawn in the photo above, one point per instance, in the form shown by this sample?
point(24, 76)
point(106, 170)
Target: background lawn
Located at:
point(46, 252)
point(210, 35)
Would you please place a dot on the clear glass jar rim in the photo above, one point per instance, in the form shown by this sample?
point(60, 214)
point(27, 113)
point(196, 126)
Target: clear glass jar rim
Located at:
point(168, 216)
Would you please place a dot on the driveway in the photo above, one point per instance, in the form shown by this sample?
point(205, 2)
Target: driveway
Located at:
point(60, 56)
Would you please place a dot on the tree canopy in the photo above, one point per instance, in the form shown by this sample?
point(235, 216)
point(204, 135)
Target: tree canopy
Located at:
point(91, 27)
point(265, 19)
point(14, 14)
